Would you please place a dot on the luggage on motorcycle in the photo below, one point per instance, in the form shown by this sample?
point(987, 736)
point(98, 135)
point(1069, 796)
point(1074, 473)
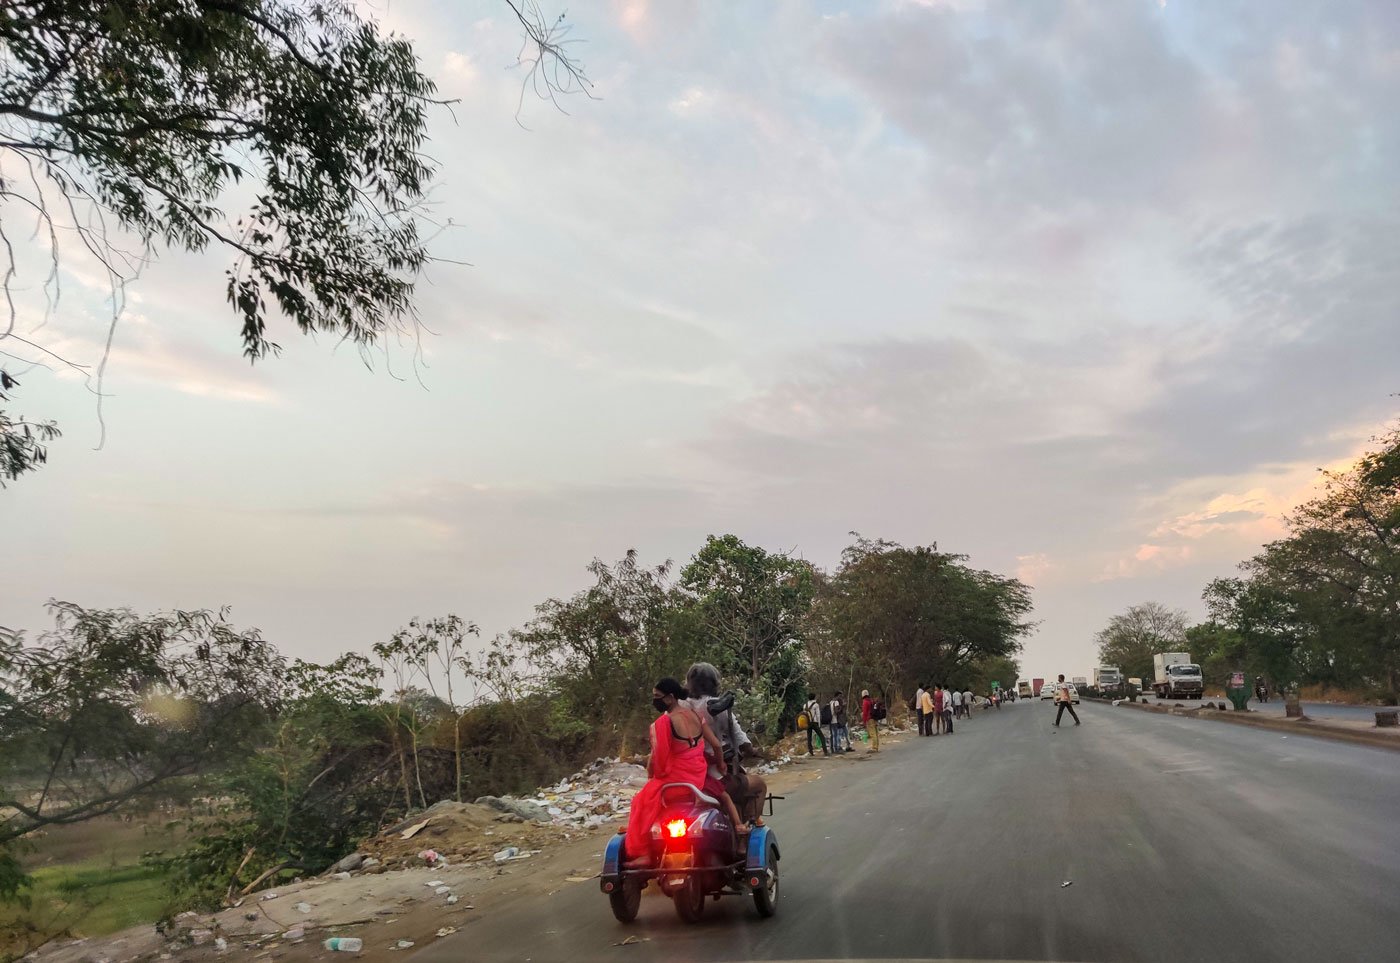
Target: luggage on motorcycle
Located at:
point(826, 713)
point(721, 705)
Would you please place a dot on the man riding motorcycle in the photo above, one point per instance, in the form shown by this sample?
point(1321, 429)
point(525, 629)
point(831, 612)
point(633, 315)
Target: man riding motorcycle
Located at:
point(748, 790)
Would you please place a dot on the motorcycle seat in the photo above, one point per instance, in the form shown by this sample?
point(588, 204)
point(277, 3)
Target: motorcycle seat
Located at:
point(671, 789)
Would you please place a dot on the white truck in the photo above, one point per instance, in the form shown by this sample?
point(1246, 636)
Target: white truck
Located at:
point(1079, 682)
point(1175, 676)
point(1108, 679)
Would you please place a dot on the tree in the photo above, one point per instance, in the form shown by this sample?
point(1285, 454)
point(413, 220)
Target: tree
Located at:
point(751, 605)
point(438, 648)
point(109, 709)
point(902, 616)
point(1252, 628)
point(320, 780)
point(147, 118)
point(1339, 570)
point(1131, 638)
point(598, 653)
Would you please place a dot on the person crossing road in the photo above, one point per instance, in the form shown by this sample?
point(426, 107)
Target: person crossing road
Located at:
point(1063, 698)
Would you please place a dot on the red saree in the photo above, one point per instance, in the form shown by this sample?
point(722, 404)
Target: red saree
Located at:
point(672, 760)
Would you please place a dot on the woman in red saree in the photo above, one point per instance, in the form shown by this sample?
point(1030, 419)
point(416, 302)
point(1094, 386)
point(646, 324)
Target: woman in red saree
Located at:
point(677, 755)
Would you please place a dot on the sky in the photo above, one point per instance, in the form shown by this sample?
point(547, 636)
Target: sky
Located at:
point(1085, 291)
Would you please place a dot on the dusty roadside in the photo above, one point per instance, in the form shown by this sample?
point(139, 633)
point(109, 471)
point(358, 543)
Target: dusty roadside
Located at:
point(398, 911)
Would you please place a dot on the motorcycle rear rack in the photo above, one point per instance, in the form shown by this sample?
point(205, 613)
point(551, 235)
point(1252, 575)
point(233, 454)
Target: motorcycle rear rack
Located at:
point(769, 800)
point(656, 871)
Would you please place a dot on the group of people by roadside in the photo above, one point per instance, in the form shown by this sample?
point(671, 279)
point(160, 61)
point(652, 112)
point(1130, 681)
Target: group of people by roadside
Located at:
point(936, 707)
point(826, 723)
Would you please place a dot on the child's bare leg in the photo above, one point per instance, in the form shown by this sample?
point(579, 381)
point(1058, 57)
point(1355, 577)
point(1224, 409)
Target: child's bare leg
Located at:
point(732, 810)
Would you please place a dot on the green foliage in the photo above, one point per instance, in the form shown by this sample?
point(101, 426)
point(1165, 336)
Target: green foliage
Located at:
point(323, 778)
point(750, 605)
point(147, 114)
point(894, 617)
point(600, 652)
point(13, 879)
point(110, 707)
point(1131, 638)
point(1323, 604)
point(23, 444)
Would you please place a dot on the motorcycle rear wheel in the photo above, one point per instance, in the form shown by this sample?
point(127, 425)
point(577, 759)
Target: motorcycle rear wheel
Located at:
point(626, 899)
point(690, 899)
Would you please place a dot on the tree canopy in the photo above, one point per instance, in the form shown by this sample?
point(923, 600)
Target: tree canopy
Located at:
point(156, 117)
point(1322, 605)
point(1131, 638)
point(904, 616)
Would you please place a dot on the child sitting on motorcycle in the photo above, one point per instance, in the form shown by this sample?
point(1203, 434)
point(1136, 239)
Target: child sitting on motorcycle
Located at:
point(677, 755)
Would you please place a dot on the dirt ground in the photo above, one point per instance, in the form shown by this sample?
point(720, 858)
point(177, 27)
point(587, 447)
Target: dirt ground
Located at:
point(387, 906)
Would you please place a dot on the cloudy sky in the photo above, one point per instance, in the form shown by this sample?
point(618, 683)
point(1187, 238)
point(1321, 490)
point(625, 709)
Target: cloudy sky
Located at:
point(1086, 291)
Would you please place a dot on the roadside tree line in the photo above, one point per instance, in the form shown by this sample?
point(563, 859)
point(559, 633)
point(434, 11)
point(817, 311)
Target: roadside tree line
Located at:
point(282, 765)
point(1320, 606)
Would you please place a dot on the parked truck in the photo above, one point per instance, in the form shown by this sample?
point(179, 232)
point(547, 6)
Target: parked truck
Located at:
point(1108, 679)
point(1079, 682)
point(1036, 686)
point(1175, 676)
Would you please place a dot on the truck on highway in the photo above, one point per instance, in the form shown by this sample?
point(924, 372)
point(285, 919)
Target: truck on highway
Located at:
point(1108, 679)
point(1023, 689)
point(1036, 686)
point(1175, 676)
point(1079, 682)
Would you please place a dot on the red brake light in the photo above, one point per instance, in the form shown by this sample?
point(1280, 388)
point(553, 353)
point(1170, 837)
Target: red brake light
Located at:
point(675, 828)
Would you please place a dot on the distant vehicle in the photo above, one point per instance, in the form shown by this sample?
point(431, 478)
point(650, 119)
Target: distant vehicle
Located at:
point(1048, 692)
point(1175, 676)
point(1135, 682)
point(1079, 682)
point(1108, 678)
point(1023, 689)
point(1037, 685)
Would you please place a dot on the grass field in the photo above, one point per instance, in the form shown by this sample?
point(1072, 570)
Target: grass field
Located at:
point(89, 881)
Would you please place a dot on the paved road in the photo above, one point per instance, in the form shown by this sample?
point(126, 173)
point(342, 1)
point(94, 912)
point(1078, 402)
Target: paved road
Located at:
point(1183, 840)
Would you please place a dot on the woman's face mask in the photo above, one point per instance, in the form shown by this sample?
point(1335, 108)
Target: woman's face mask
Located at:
point(659, 704)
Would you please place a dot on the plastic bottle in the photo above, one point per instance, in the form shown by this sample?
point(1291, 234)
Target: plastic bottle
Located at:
point(345, 944)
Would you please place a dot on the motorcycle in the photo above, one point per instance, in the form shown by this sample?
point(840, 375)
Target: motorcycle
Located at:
point(1261, 692)
point(696, 853)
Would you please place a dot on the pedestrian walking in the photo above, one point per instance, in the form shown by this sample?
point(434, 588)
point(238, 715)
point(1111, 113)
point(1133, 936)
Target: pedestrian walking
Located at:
point(967, 703)
point(919, 708)
point(867, 716)
point(839, 734)
point(1062, 697)
point(813, 708)
point(927, 709)
point(948, 711)
point(957, 704)
point(937, 710)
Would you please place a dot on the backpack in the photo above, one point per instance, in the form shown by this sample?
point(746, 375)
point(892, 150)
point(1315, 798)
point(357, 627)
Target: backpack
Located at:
point(802, 721)
point(877, 710)
point(826, 713)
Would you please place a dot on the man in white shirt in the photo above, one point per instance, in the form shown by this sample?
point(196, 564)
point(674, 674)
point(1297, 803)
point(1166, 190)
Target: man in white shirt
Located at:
point(957, 704)
point(967, 703)
point(1062, 697)
point(947, 711)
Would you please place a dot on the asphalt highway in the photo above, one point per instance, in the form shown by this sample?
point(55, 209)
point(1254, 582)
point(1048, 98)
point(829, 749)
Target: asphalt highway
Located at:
point(1180, 839)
